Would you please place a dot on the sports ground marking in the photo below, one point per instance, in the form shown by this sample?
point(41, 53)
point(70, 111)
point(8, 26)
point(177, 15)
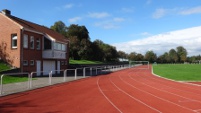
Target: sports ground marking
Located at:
point(134, 97)
point(155, 95)
point(107, 97)
point(187, 99)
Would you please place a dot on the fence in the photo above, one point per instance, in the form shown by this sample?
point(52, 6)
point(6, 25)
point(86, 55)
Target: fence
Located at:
point(66, 75)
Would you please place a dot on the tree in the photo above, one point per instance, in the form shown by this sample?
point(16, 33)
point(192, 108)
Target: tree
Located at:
point(59, 27)
point(139, 57)
point(182, 53)
point(150, 56)
point(173, 55)
point(80, 42)
point(132, 56)
point(122, 55)
point(166, 57)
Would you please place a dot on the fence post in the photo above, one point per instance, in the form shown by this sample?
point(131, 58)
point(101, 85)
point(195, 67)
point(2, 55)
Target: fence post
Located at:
point(1, 90)
point(50, 78)
point(84, 72)
point(65, 73)
point(75, 74)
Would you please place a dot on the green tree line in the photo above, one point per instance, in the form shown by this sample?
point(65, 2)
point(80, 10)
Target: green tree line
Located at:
point(81, 47)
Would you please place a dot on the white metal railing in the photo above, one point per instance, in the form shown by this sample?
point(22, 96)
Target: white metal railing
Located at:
point(11, 74)
point(91, 70)
point(54, 54)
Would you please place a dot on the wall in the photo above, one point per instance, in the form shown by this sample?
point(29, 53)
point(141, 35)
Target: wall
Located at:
point(8, 27)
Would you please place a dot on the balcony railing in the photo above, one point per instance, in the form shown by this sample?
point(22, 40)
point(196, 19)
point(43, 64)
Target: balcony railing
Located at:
point(54, 54)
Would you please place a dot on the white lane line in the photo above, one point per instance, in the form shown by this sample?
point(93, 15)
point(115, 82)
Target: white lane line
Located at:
point(154, 75)
point(135, 98)
point(107, 97)
point(186, 99)
point(156, 96)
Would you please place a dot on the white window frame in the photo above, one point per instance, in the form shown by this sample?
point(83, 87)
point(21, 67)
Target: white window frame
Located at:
point(38, 47)
point(14, 41)
point(32, 42)
point(25, 41)
point(63, 47)
point(32, 63)
point(25, 63)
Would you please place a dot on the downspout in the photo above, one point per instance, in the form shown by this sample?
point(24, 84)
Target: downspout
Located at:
point(68, 51)
point(21, 49)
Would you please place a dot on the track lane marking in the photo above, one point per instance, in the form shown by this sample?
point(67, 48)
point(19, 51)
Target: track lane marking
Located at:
point(186, 99)
point(155, 95)
point(134, 97)
point(107, 97)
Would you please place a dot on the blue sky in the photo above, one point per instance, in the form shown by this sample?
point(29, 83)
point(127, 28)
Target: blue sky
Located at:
point(116, 22)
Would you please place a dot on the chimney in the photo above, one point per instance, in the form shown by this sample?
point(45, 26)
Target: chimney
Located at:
point(6, 12)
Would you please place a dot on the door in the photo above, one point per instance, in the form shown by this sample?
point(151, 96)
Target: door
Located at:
point(49, 66)
point(58, 67)
point(38, 68)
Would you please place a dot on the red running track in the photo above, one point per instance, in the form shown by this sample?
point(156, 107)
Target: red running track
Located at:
point(127, 91)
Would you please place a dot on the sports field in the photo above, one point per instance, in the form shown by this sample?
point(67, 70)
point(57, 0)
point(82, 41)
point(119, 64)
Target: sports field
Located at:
point(131, 90)
point(179, 72)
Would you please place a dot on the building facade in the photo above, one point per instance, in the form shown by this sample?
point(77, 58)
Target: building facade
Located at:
point(31, 47)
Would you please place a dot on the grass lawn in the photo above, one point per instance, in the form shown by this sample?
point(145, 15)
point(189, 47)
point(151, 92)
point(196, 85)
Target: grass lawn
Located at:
point(84, 62)
point(3, 67)
point(11, 79)
point(179, 72)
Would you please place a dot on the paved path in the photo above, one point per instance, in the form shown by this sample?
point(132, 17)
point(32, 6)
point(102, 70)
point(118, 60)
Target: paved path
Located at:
point(37, 83)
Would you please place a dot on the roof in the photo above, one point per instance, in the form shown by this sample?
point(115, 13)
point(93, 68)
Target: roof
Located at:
point(38, 28)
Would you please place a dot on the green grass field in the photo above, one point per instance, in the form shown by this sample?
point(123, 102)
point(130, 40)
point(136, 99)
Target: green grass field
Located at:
point(11, 79)
point(3, 66)
point(179, 72)
point(84, 62)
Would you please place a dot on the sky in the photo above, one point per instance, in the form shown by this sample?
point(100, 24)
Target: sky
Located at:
point(129, 25)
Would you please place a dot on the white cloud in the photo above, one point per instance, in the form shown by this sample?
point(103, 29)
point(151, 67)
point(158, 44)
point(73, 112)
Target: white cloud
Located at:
point(148, 2)
point(98, 15)
point(145, 34)
point(193, 10)
point(106, 25)
point(118, 19)
point(127, 10)
point(159, 13)
point(188, 38)
point(75, 19)
point(68, 6)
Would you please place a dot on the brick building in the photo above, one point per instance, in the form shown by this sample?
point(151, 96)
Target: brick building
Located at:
point(31, 47)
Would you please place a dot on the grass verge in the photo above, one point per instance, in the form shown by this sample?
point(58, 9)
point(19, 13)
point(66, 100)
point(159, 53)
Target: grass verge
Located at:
point(179, 72)
point(3, 66)
point(84, 62)
point(12, 79)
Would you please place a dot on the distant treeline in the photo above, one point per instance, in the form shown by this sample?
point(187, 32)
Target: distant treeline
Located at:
point(82, 48)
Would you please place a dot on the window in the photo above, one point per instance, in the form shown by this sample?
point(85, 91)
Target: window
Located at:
point(62, 63)
point(25, 41)
point(47, 44)
point(14, 40)
point(25, 63)
point(38, 43)
point(32, 42)
point(59, 46)
point(63, 48)
point(31, 62)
